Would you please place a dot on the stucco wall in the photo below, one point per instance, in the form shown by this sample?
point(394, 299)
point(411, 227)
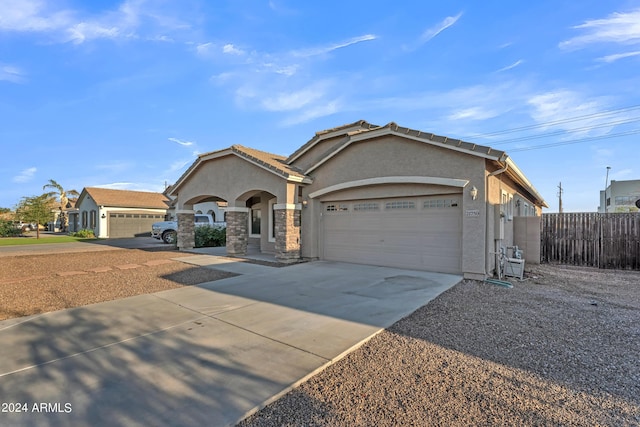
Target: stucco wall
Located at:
point(395, 156)
point(229, 177)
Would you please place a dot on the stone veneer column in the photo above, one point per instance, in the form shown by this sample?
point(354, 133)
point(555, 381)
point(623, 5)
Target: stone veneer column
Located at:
point(287, 232)
point(237, 231)
point(186, 234)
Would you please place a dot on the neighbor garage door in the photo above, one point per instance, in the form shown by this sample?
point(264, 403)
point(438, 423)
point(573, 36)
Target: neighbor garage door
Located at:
point(128, 224)
point(422, 233)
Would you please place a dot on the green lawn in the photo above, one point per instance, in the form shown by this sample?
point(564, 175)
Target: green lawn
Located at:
point(31, 240)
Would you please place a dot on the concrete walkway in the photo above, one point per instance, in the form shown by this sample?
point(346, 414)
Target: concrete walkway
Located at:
point(199, 355)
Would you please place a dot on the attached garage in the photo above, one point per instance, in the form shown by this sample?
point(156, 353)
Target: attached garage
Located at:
point(131, 224)
point(422, 233)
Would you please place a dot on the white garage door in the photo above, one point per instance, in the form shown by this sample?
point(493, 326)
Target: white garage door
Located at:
point(422, 233)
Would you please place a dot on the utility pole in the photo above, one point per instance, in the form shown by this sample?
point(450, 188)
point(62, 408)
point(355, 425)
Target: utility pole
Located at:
point(560, 190)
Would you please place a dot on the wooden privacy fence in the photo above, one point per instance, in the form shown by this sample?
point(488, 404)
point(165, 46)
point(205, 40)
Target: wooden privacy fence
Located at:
point(591, 239)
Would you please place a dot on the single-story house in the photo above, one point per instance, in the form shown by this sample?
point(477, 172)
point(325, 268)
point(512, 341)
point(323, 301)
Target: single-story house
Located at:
point(117, 213)
point(381, 195)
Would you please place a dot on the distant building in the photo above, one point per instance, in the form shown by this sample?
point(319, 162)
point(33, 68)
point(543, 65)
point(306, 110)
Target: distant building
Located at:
point(620, 196)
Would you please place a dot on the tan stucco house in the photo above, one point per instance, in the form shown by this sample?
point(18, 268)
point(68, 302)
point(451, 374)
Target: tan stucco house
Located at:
point(117, 213)
point(380, 195)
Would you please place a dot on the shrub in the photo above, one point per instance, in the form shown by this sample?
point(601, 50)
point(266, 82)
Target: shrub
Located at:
point(8, 229)
point(84, 234)
point(207, 236)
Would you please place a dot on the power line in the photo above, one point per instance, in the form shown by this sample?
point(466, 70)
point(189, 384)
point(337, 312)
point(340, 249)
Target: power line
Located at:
point(577, 141)
point(560, 132)
point(557, 122)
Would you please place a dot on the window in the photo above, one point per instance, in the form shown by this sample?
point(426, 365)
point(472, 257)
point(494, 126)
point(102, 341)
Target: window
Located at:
point(608, 201)
point(212, 213)
point(526, 210)
point(440, 203)
point(366, 207)
point(92, 219)
point(337, 208)
point(255, 221)
point(625, 200)
point(405, 204)
point(85, 222)
point(507, 205)
point(272, 220)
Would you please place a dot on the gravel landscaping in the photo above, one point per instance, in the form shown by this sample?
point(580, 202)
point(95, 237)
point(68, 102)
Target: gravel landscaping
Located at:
point(33, 284)
point(560, 348)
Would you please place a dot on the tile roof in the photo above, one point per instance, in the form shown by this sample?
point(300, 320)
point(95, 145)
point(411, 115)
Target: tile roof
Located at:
point(271, 161)
point(360, 125)
point(127, 198)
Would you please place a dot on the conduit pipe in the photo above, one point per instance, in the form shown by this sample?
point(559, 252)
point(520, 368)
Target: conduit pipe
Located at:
point(486, 205)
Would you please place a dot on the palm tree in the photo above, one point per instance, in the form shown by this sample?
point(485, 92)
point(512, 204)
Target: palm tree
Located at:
point(63, 196)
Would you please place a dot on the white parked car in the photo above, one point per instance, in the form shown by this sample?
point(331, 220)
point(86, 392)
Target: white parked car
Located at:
point(168, 230)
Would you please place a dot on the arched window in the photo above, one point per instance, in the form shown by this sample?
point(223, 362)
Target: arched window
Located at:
point(213, 214)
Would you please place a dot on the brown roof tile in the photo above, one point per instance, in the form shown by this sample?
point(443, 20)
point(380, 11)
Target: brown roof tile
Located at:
point(127, 198)
point(272, 161)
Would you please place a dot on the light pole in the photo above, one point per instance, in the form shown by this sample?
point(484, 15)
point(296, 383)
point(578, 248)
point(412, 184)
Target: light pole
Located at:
point(606, 184)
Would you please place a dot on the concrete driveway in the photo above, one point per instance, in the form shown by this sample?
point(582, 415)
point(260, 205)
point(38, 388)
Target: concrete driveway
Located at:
point(200, 355)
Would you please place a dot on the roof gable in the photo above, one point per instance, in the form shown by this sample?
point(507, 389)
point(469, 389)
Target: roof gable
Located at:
point(404, 132)
point(360, 125)
point(124, 198)
point(273, 163)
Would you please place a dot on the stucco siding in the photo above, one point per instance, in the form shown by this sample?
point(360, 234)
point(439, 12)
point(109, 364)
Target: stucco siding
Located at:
point(229, 177)
point(395, 156)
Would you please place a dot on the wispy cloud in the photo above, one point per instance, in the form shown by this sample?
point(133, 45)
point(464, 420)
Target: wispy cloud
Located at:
point(509, 67)
point(12, 74)
point(559, 109)
point(619, 28)
point(617, 56)
point(319, 110)
point(181, 142)
point(433, 31)
point(67, 25)
point(473, 113)
point(232, 50)
point(280, 82)
point(32, 16)
point(25, 176)
point(295, 100)
point(304, 53)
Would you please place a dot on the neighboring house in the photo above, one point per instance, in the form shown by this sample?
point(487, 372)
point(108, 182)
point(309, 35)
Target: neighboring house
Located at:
point(380, 195)
point(215, 209)
point(620, 196)
point(117, 213)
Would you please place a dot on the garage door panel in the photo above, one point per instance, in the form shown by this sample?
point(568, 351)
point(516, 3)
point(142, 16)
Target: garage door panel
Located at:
point(419, 237)
point(126, 224)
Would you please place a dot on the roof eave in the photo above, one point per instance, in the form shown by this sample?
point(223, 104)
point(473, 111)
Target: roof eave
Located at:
point(515, 171)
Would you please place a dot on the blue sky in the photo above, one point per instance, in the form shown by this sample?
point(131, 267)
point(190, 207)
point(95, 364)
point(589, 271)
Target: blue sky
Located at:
point(125, 94)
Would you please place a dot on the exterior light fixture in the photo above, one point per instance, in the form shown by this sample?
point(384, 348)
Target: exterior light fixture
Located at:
point(473, 192)
point(305, 202)
point(103, 216)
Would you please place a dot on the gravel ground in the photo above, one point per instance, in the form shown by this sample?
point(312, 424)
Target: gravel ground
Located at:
point(32, 284)
point(560, 348)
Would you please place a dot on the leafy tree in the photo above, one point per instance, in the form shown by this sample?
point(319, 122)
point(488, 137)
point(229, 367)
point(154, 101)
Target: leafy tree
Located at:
point(62, 196)
point(36, 209)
